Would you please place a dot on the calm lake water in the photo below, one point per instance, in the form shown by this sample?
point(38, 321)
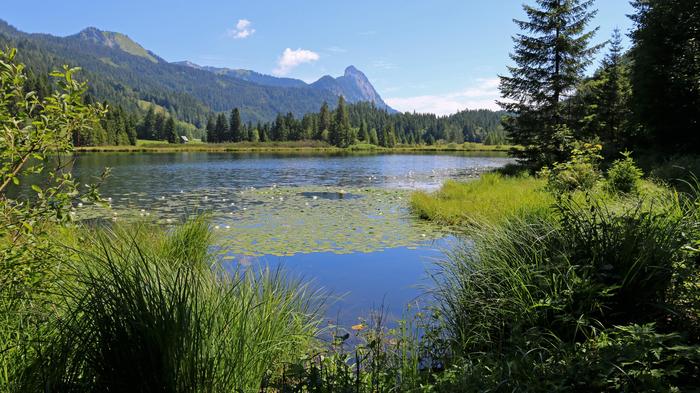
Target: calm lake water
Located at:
point(339, 220)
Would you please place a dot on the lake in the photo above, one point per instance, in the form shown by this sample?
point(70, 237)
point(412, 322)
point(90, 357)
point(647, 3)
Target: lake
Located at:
point(339, 220)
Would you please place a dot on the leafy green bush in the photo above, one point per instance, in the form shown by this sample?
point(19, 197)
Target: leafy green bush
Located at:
point(580, 172)
point(624, 176)
point(35, 137)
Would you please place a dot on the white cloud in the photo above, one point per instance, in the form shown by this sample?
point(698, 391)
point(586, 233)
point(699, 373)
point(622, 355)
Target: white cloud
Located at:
point(243, 29)
point(292, 58)
point(481, 95)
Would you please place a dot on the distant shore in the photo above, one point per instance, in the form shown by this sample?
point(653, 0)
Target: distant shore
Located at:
point(296, 146)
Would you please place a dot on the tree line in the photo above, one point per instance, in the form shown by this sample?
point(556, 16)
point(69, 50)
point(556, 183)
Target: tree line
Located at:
point(361, 123)
point(642, 98)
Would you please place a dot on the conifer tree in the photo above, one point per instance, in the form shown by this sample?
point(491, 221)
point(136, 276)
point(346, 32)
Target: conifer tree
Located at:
point(324, 122)
point(235, 133)
point(550, 57)
point(364, 134)
point(157, 132)
point(146, 129)
point(373, 138)
point(340, 129)
point(665, 72)
point(612, 95)
point(211, 130)
point(169, 130)
point(221, 128)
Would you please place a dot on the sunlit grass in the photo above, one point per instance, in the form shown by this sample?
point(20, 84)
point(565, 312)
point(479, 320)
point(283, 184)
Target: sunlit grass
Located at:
point(491, 198)
point(141, 309)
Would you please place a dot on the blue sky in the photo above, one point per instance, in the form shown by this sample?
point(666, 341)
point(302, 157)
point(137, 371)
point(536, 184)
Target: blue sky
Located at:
point(435, 56)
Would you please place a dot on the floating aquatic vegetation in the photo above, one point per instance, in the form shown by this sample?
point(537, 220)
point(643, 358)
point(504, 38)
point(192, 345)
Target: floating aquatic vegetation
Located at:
point(282, 221)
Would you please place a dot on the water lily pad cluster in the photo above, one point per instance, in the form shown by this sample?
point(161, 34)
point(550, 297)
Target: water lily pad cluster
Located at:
point(283, 221)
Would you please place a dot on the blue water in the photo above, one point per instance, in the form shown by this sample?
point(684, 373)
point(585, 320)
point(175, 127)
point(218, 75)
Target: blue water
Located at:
point(359, 282)
point(362, 283)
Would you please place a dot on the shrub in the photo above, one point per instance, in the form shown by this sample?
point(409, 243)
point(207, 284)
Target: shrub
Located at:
point(579, 173)
point(624, 176)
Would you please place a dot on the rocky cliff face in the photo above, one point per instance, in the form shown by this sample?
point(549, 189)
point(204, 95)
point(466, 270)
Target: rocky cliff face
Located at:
point(354, 86)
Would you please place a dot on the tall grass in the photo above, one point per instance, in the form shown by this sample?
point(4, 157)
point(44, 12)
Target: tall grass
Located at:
point(530, 303)
point(488, 199)
point(142, 311)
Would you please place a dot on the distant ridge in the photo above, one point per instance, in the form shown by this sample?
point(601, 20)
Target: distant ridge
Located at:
point(354, 86)
point(123, 72)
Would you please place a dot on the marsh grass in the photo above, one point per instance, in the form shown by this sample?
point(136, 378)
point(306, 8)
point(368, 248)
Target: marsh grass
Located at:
point(491, 198)
point(538, 301)
point(141, 310)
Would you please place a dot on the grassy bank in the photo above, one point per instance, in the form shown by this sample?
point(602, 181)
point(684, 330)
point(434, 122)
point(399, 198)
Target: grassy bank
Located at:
point(567, 285)
point(292, 146)
point(491, 198)
point(135, 308)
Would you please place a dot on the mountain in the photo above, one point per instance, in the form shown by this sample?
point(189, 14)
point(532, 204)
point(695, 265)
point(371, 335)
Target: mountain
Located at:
point(122, 72)
point(115, 40)
point(353, 85)
point(248, 76)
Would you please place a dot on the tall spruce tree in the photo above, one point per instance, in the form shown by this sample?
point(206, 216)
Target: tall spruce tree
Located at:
point(235, 128)
point(666, 72)
point(157, 132)
point(324, 122)
point(611, 93)
point(340, 129)
point(169, 130)
point(146, 129)
point(364, 134)
point(550, 57)
point(211, 130)
point(221, 128)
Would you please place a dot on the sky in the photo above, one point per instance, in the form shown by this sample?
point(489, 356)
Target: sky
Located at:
point(437, 56)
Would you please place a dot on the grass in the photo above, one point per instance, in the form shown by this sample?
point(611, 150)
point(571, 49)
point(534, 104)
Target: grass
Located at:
point(137, 309)
point(574, 300)
point(289, 146)
point(488, 199)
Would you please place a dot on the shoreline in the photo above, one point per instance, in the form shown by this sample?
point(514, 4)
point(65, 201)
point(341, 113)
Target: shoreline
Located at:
point(287, 148)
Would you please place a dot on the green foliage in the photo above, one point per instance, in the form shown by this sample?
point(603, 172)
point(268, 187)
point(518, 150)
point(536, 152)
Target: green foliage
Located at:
point(570, 301)
point(492, 198)
point(339, 134)
point(550, 56)
point(137, 309)
point(624, 176)
point(35, 137)
point(580, 172)
point(602, 104)
point(368, 357)
point(665, 71)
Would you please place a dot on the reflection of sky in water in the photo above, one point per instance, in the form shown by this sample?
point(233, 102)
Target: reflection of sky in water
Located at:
point(364, 282)
point(169, 185)
point(172, 172)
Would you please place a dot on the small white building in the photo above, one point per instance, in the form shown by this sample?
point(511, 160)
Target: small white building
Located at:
point(184, 139)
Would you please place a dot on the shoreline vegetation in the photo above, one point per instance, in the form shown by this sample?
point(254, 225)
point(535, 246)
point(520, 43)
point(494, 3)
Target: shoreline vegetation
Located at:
point(293, 146)
point(574, 270)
